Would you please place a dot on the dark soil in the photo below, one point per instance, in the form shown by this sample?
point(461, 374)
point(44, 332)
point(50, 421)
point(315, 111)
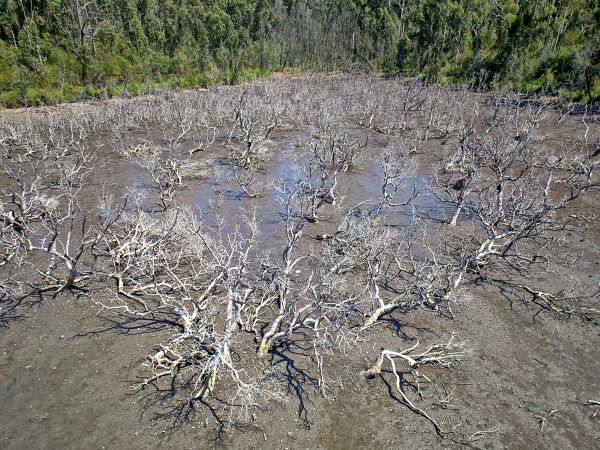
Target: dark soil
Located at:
point(67, 367)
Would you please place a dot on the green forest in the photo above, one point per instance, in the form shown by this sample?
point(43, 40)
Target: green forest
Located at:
point(63, 50)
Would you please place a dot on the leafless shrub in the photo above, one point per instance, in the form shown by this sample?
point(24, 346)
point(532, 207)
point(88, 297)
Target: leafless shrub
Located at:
point(255, 119)
point(442, 354)
point(229, 301)
point(201, 285)
point(293, 297)
point(397, 169)
point(214, 291)
point(512, 193)
point(41, 214)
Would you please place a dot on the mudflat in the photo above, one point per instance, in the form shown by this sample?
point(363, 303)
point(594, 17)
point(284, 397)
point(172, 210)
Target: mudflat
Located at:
point(317, 262)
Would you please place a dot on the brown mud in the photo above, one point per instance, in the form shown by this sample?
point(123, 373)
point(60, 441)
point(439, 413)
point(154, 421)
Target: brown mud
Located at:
point(67, 367)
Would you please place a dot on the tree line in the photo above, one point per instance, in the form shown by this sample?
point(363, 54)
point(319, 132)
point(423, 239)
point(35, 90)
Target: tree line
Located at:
point(61, 50)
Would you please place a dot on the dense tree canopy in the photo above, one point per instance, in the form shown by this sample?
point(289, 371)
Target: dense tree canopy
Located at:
point(53, 50)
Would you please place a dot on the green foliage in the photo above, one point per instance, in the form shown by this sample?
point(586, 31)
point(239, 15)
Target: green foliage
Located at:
point(194, 80)
point(132, 46)
point(91, 91)
point(11, 99)
point(137, 88)
point(71, 93)
point(115, 91)
point(9, 69)
point(34, 96)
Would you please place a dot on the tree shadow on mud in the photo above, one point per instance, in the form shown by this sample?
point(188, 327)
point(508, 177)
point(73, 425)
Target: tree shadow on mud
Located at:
point(298, 380)
point(536, 302)
point(449, 432)
point(11, 308)
point(15, 306)
point(406, 384)
point(399, 328)
point(169, 404)
point(125, 324)
point(175, 415)
point(9, 314)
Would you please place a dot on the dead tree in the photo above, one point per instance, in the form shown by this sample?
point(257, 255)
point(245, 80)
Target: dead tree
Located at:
point(41, 214)
point(201, 285)
point(254, 121)
point(414, 358)
point(398, 168)
point(331, 153)
point(293, 296)
point(512, 193)
point(455, 176)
